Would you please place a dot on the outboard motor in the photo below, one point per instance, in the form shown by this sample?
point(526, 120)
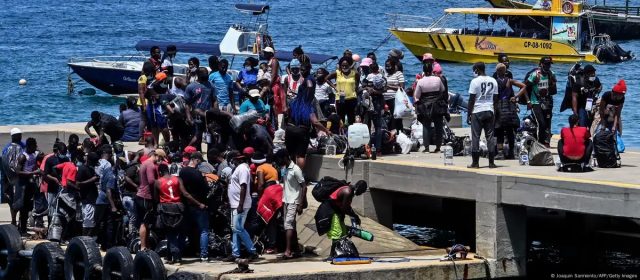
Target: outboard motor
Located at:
point(608, 51)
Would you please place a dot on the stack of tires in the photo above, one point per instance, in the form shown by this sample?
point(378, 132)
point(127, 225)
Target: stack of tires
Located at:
point(81, 260)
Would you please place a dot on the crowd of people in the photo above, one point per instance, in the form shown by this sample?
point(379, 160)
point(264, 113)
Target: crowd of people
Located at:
point(106, 191)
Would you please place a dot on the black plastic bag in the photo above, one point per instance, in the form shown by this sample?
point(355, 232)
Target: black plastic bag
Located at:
point(344, 248)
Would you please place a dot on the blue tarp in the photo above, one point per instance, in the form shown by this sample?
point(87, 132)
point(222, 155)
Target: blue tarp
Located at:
point(314, 57)
point(184, 47)
point(256, 9)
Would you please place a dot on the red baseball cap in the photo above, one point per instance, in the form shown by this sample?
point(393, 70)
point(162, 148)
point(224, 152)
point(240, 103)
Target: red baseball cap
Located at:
point(248, 152)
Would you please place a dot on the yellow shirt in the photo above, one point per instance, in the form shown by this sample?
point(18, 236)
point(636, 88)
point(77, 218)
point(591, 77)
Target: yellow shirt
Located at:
point(346, 84)
point(142, 80)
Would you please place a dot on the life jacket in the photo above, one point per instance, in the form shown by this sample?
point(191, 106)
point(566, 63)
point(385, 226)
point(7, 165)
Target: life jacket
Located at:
point(43, 183)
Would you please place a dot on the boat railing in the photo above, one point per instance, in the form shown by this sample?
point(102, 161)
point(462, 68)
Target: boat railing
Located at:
point(116, 58)
point(629, 11)
point(401, 20)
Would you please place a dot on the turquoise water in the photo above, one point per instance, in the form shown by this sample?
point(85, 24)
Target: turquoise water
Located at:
point(39, 36)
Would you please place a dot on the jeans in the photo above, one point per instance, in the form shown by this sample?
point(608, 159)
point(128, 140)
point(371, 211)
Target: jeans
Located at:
point(175, 243)
point(201, 217)
point(543, 119)
point(376, 117)
point(348, 108)
point(240, 235)
point(395, 123)
point(510, 133)
point(583, 118)
point(482, 121)
point(130, 206)
point(427, 130)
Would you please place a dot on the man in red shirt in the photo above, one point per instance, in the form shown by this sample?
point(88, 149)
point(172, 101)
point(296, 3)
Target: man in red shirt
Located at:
point(144, 199)
point(575, 145)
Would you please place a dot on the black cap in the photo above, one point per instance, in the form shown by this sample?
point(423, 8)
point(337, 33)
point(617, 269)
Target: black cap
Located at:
point(546, 60)
point(589, 68)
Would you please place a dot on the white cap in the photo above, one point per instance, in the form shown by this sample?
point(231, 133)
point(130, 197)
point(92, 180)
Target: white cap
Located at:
point(254, 93)
point(15, 131)
point(268, 49)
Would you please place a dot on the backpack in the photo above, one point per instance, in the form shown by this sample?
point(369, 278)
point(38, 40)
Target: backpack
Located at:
point(10, 162)
point(325, 187)
point(604, 144)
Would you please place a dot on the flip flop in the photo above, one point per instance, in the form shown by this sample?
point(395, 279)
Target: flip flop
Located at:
point(285, 257)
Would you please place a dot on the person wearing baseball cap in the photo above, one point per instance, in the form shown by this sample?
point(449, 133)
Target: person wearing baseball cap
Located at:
point(611, 105)
point(541, 85)
point(239, 194)
point(254, 103)
point(397, 55)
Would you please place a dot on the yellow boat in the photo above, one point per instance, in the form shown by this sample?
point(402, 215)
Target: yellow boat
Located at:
point(566, 41)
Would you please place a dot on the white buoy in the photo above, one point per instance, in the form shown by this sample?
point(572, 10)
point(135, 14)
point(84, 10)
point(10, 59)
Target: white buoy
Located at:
point(22, 82)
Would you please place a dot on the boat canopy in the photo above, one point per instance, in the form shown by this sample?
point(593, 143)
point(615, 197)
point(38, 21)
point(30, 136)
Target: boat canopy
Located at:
point(201, 48)
point(314, 57)
point(508, 12)
point(255, 9)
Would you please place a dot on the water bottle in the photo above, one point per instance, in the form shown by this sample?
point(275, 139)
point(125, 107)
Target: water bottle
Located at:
point(361, 233)
point(331, 147)
point(373, 152)
point(524, 156)
point(467, 146)
point(448, 154)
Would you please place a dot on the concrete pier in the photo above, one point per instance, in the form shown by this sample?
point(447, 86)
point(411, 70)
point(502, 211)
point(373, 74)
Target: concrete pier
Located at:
point(501, 195)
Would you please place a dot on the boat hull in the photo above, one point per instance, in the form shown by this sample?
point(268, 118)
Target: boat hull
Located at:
point(618, 27)
point(469, 48)
point(109, 80)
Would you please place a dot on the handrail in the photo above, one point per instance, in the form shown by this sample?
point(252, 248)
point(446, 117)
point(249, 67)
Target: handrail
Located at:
point(94, 58)
point(394, 18)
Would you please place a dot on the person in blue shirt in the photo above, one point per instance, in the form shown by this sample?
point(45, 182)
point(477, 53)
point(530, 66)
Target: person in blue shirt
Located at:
point(254, 103)
point(248, 77)
point(222, 81)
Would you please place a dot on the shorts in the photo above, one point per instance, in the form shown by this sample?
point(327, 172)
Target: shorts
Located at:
point(155, 118)
point(144, 211)
point(297, 139)
point(88, 215)
point(290, 216)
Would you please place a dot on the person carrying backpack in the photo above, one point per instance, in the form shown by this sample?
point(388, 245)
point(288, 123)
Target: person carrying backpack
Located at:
point(541, 85)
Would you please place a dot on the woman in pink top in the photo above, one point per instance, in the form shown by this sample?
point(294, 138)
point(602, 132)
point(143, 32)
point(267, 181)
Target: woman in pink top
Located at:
point(432, 105)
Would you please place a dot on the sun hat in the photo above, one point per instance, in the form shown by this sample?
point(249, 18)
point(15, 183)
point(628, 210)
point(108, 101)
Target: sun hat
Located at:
point(254, 93)
point(15, 131)
point(268, 49)
point(366, 62)
point(427, 56)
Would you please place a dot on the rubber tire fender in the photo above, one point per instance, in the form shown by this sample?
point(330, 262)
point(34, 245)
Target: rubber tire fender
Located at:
point(46, 262)
point(118, 259)
point(148, 265)
point(80, 259)
point(10, 240)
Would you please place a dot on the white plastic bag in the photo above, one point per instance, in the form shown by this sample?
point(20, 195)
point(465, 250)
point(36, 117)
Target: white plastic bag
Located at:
point(416, 132)
point(404, 142)
point(403, 107)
